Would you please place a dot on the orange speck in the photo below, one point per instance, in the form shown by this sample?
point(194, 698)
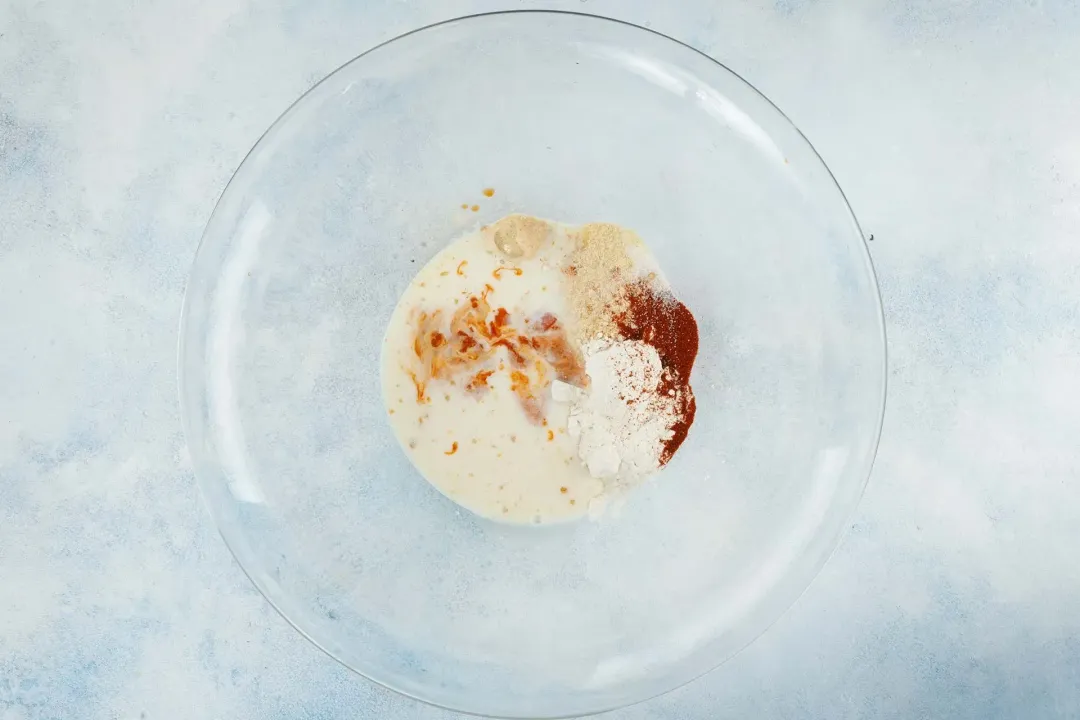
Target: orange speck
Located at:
point(517, 358)
point(475, 208)
point(551, 436)
point(437, 366)
point(547, 322)
point(479, 381)
point(562, 490)
point(488, 192)
point(452, 450)
point(461, 265)
point(497, 272)
point(391, 411)
point(464, 206)
point(420, 397)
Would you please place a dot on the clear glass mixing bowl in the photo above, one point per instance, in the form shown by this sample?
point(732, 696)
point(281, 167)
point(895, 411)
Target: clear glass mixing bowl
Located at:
point(355, 187)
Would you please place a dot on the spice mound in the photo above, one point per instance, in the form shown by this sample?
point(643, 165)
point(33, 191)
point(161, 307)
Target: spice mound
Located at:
point(639, 343)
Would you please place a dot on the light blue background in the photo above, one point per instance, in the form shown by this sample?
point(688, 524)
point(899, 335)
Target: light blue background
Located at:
point(954, 128)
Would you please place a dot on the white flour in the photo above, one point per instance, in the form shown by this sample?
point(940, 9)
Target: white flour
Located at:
point(621, 421)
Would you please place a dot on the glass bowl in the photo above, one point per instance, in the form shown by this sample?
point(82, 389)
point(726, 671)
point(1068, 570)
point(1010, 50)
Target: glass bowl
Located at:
point(574, 118)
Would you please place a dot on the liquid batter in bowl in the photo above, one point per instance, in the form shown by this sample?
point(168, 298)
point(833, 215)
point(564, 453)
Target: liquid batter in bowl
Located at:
point(484, 433)
point(526, 373)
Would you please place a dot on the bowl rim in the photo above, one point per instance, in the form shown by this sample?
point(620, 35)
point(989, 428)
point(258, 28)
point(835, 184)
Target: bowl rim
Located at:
point(878, 312)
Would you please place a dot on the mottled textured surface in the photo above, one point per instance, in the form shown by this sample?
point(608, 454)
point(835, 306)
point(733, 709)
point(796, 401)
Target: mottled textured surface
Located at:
point(954, 129)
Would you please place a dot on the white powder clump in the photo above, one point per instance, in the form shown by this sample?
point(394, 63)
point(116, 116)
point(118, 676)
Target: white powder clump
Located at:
point(622, 420)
